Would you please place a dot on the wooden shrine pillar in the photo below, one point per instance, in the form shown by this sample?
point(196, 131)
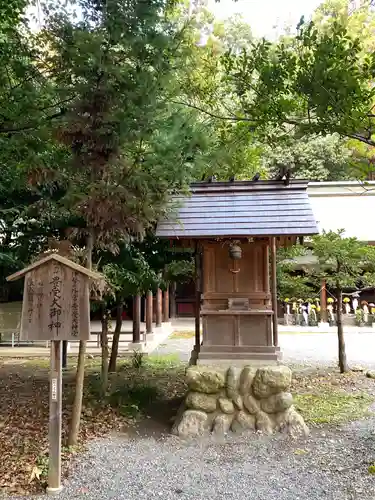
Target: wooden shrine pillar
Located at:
point(158, 307)
point(148, 308)
point(275, 326)
point(136, 319)
point(143, 312)
point(172, 300)
point(166, 305)
point(323, 302)
point(197, 308)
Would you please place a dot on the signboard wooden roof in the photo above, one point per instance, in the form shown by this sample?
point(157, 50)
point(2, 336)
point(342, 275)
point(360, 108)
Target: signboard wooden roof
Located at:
point(63, 260)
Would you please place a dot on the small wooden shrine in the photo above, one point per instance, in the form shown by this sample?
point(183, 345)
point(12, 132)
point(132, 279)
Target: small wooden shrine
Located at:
point(235, 228)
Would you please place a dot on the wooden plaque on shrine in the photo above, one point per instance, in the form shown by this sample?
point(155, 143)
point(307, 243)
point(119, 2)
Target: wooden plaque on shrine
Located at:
point(56, 302)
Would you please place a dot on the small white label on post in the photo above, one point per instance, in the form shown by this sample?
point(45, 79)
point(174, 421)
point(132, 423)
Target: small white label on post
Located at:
point(54, 389)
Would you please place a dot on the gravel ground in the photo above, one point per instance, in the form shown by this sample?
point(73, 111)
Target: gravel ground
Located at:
point(304, 348)
point(330, 465)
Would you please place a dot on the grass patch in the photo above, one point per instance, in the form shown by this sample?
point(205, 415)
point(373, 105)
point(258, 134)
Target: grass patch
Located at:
point(44, 363)
point(331, 406)
point(140, 382)
point(164, 361)
point(135, 400)
point(186, 334)
point(37, 362)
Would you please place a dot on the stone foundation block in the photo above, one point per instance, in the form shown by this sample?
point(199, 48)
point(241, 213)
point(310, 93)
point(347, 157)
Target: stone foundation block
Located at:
point(250, 400)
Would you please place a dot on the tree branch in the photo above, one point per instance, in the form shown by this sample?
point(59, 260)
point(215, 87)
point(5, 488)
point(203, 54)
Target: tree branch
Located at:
point(30, 126)
point(289, 121)
point(361, 138)
point(213, 115)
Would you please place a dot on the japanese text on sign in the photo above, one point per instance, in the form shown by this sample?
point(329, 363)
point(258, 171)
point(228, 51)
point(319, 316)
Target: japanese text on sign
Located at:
point(55, 307)
point(75, 310)
point(54, 389)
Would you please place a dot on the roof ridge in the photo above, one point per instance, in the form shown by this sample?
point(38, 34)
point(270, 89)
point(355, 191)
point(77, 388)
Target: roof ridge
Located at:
point(248, 186)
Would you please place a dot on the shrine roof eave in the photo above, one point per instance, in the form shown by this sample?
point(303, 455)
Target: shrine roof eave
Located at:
point(232, 235)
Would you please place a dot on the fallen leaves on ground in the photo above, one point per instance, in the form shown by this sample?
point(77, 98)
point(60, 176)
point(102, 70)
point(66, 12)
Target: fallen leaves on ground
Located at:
point(300, 451)
point(24, 412)
point(185, 334)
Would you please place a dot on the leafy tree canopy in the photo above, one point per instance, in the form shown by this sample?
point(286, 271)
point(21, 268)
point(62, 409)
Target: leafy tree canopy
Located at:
point(317, 158)
point(344, 261)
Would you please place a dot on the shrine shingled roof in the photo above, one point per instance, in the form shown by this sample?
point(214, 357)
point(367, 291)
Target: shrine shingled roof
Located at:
point(241, 208)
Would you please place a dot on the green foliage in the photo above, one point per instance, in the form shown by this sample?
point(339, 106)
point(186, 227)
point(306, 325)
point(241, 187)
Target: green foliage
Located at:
point(130, 399)
point(359, 317)
point(113, 69)
point(312, 157)
point(359, 19)
point(234, 34)
point(137, 359)
point(10, 16)
point(316, 82)
point(130, 273)
point(164, 362)
point(141, 266)
point(230, 148)
point(179, 271)
point(89, 135)
point(139, 385)
point(344, 262)
point(106, 114)
point(268, 104)
point(290, 283)
point(135, 400)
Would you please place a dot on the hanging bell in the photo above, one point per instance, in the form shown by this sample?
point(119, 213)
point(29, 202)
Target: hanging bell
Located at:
point(235, 252)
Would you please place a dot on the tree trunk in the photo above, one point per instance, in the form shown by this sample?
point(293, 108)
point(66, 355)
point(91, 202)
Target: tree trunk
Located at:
point(323, 302)
point(116, 338)
point(104, 344)
point(80, 374)
point(343, 364)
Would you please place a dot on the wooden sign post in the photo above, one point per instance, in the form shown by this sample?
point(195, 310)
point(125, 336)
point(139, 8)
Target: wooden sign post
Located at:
point(55, 411)
point(56, 307)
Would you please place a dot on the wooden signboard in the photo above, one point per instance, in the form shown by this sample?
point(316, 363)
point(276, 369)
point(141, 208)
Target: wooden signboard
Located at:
point(56, 300)
point(56, 304)
point(55, 307)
